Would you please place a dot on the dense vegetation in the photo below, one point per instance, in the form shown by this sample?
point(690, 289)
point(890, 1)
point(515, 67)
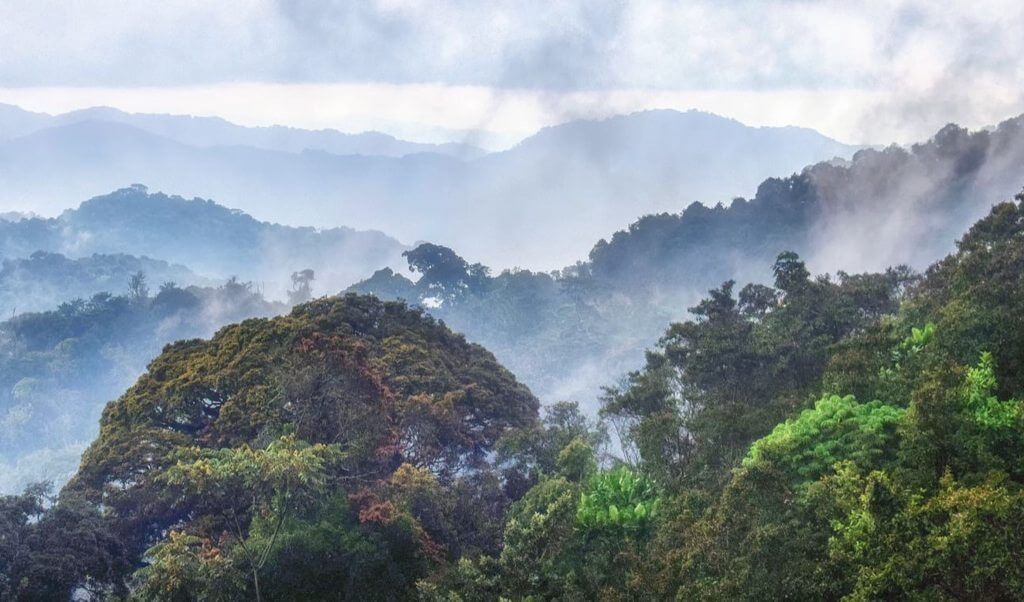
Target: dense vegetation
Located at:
point(561, 333)
point(42, 281)
point(58, 368)
point(806, 441)
point(852, 437)
point(923, 197)
point(208, 238)
point(352, 430)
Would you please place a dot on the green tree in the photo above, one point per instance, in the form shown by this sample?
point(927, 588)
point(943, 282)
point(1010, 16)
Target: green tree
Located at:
point(241, 483)
point(618, 501)
point(50, 549)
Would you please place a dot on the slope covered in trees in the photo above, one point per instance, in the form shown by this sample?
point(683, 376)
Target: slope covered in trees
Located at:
point(805, 441)
point(58, 368)
point(42, 281)
point(856, 437)
point(563, 332)
point(352, 430)
point(209, 238)
point(881, 208)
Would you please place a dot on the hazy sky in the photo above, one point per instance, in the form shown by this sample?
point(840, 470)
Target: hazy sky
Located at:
point(866, 71)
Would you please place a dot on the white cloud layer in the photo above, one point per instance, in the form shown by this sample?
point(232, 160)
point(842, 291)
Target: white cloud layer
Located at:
point(871, 71)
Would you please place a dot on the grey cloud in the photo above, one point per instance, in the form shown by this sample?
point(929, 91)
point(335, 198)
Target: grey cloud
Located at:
point(533, 44)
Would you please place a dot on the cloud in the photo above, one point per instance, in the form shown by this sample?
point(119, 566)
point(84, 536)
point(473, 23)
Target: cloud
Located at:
point(524, 43)
point(885, 70)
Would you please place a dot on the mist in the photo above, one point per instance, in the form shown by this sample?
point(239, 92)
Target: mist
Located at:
point(566, 254)
point(212, 240)
point(506, 209)
point(570, 333)
point(566, 333)
point(59, 368)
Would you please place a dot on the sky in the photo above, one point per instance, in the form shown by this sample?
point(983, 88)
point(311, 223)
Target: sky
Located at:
point(870, 72)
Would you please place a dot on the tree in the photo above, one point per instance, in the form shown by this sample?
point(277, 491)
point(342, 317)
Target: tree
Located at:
point(961, 543)
point(49, 549)
point(302, 287)
point(790, 272)
point(618, 501)
point(240, 484)
point(725, 378)
point(443, 273)
point(564, 442)
point(138, 290)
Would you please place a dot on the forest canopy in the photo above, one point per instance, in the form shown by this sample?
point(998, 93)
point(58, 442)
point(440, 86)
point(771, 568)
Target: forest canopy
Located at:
point(854, 437)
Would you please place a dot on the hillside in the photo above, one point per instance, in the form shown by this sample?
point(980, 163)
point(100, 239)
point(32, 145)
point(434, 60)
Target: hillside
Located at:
point(562, 332)
point(208, 238)
point(817, 438)
point(881, 208)
point(59, 367)
point(42, 281)
point(504, 208)
point(370, 405)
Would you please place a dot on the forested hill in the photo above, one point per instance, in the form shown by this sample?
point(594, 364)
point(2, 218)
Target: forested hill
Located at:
point(882, 208)
point(562, 332)
point(208, 238)
point(816, 438)
point(59, 367)
point(43, 281)
point(367, 413)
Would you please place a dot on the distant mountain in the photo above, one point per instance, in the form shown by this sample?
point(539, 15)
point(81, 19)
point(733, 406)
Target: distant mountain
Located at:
point(540, 204)
point(691, 151)
point(44, 280)
point(15, 121)
point(214, 131)
point(209, 238)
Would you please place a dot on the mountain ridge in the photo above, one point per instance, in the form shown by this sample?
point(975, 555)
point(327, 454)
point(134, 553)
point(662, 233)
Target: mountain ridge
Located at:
point(189, 129)
point(208, 237)
point(506, 208)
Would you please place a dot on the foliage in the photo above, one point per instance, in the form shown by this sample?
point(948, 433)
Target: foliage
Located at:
point(989, 411)
point(43, 280)
point(409, 462)
point(186, 567)
point(58, 368)
point(564, 442)
point(962, 542)
point(207, 237)
point(348, 407)
point(724, 379)
point(619, 501)
point(285, 468)
point(918, 338)
point(49, 550)
point(836, 429)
